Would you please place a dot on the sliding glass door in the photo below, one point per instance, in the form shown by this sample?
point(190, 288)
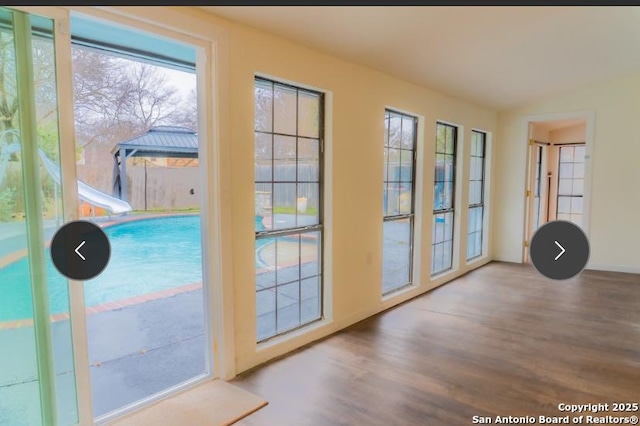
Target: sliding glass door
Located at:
point(37, 375)
point(141, 329)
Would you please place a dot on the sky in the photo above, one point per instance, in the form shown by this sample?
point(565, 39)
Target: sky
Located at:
point(183, 81)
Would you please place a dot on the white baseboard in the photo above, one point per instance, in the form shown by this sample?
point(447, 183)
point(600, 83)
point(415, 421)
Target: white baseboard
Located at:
point(614, 268)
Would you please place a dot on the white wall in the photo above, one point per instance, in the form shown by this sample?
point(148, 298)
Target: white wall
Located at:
point(613, 229)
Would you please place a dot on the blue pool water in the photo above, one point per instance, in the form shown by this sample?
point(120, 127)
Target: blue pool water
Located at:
point(147, 255)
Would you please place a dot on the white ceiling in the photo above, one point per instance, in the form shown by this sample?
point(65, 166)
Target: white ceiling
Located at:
point(499, 57)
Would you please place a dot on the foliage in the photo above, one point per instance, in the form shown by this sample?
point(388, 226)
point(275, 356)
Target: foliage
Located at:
point(7, 201)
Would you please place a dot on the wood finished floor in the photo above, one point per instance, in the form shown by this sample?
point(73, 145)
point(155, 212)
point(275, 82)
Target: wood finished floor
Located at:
point(502, 340)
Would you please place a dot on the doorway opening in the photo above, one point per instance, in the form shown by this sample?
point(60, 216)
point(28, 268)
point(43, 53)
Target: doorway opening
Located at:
point(557, 165)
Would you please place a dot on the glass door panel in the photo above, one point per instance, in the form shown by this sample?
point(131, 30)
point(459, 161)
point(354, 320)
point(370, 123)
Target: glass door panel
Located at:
point(37, 378)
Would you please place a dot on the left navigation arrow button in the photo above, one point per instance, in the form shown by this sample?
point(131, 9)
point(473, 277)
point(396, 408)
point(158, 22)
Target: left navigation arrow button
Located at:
point(77, 250)
point(80, 250)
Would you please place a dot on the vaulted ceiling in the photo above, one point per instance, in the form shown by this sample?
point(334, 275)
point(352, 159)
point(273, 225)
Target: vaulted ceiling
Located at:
point(499, 57)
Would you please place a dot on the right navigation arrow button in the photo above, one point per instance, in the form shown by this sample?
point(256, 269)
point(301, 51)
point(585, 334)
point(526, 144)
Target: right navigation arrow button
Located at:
point(561, 248)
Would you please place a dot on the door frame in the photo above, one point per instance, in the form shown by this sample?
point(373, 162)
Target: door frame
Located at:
point(589, 117)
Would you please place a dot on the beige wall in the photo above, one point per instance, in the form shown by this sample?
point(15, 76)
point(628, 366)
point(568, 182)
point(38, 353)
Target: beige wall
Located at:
point(613, 224)
point(356, 99)
point(571, 134)
point(355, 157)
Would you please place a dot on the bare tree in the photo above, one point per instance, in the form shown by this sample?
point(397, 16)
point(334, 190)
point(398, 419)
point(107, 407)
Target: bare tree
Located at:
point(117, 98)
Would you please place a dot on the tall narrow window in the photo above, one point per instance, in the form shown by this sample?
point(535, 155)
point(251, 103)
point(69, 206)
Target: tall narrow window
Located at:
point(288, 207)
point(399, 183)
point(476, 195)
point(443, 201)
point(570, 184)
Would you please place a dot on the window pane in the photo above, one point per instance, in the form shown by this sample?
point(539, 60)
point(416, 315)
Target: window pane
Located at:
point(406, 173)
point(308, 160)
point(310, 252)
point(395, 130)
point(284, 120)
point(565, 186)
point(479, 217)
point(288, 312)
point(263, 106)
point(266, 313)
point(471, 246)
point(307, 204)
point(439, 168)
point(405, 202)
point(394, 163)
point(475, 192)
point(310, 295)
point(566, 170)
point(450, 146)
point(396, 257)
point(441, 138)
point(392, 200)
point(449, 168)
point(576, 205)
point(287, 259)
point(564, 204)
point(309, 114)
point(284, 158)
point(566, 154)
point(578, 170)
point(263, 156)
point(578, 187)
point(407, 133)
point(471, 220)
point(263, 202)
point(284, 205)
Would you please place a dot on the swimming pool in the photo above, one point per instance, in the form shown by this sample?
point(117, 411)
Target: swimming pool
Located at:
point(147, 255)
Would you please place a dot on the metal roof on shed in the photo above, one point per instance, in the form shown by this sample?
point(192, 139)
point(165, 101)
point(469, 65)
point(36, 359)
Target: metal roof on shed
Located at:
point(158, 140)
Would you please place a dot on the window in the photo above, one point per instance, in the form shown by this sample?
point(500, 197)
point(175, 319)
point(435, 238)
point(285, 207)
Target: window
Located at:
point(443, 201)
point(288, 207)
point(570, 184)
point(399, 184)
point(476, 195)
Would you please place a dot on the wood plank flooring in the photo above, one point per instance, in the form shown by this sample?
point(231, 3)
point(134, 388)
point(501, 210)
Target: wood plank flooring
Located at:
point(501, 340)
